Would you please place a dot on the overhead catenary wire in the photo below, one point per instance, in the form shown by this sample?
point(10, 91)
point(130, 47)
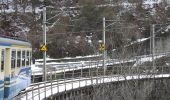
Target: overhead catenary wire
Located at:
point(95, 31)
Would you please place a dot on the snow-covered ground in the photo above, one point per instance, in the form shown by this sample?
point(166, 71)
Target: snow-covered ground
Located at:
point(71, 58)
point(147, 59)
point(59, 67)
point(139, 40)
point(70, 66)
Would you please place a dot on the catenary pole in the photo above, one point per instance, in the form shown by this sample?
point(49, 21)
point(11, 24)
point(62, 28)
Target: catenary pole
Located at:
point(104, 42)
point(153, 46)
point(44, 41)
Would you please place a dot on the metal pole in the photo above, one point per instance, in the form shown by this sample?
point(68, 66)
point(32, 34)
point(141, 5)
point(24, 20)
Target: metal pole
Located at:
point(44, 40)
point(150, 40)
point(153, 46)
point(104, 26)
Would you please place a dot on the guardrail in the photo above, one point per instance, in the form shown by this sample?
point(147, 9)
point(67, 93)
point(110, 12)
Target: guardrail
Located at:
point(47, 89)
point(59, 81)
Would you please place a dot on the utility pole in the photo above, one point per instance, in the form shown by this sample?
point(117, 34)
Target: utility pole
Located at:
point(44, 41)
point(104, 42)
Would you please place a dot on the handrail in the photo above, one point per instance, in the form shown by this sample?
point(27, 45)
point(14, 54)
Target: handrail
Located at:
point(61, 83)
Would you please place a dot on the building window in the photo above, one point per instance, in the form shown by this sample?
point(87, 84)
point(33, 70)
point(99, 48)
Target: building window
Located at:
point(27, 58)
point(2, 60)
point(31, 58)
point(13, 59)
point(18, 59)
point(23, 58)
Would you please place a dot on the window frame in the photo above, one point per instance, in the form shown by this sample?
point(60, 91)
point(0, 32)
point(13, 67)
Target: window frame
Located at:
point(30, 57)
point(19, 58)
point(23, 57)
point(27, 58)
point(2, 50)
point(13, 57)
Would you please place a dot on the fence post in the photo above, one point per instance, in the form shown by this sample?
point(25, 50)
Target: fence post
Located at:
point(51, 84)
point(26, 95)
point(57, 85)
point(82, 71)
point(72, 78)
point(33, 76)
point(39, 91)
point(32, 93)
point(96, 72)
point(45, 89)
point(64, 79)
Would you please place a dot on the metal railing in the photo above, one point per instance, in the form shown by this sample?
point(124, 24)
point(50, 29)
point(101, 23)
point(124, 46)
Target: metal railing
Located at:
point(88, 75)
